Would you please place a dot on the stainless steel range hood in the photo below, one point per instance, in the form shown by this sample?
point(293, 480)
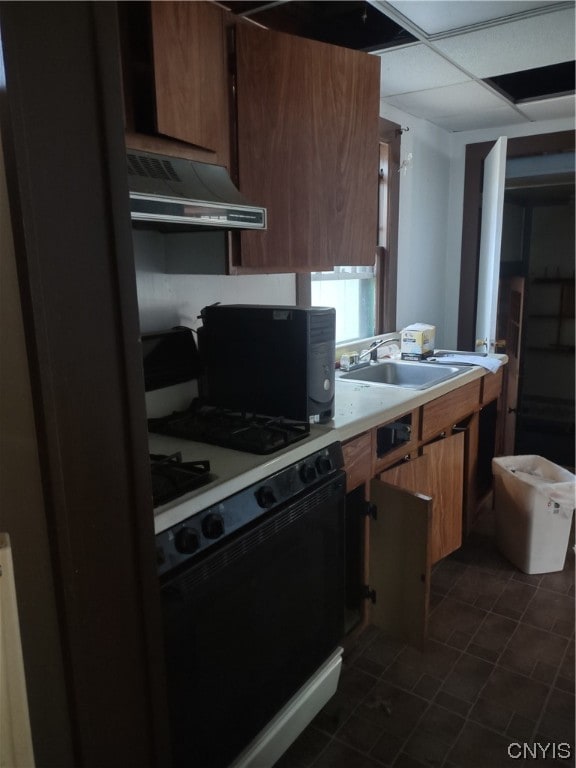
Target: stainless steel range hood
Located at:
point(172, 191)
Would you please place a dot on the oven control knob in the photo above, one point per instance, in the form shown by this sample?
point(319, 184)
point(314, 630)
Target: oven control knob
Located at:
point(186, 541)
point(307, 473)
point(265, 497)
point(323, 465)
point(213, 526)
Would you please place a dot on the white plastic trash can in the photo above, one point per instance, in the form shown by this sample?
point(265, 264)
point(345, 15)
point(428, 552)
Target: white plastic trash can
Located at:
point(534, 502)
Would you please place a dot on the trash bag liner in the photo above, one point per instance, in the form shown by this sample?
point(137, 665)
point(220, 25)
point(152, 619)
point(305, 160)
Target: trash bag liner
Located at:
point(534, 503)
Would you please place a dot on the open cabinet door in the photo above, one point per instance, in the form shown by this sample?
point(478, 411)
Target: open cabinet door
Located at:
point(446, 487)
point(399, 570)
point(490, 243)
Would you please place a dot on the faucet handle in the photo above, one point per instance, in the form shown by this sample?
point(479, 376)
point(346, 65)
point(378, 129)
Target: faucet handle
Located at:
point(348, 361)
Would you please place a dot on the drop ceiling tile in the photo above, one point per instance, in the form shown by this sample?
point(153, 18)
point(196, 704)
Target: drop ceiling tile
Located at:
point(549, 109)
point(449, 100)
point(415, 68)
point(472, 120)
point(525, 44)
point(444, 15)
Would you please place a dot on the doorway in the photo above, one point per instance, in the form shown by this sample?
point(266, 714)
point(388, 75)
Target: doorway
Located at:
point(547, 427)
point(537, 276)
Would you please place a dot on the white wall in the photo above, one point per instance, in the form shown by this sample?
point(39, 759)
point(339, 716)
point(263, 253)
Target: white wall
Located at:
point(422, 235)
point(431, 210)
point(166, 300)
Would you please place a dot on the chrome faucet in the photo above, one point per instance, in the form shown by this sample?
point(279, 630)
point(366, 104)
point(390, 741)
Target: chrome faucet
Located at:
point(354, 360)
point(372, 350)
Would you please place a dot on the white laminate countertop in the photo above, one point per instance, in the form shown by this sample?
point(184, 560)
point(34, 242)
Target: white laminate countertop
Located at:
point(358, 407)
point(361, 406)
point(233, 470)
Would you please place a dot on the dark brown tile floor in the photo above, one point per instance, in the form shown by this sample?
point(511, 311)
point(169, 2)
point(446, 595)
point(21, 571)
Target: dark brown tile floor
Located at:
point(497, 672)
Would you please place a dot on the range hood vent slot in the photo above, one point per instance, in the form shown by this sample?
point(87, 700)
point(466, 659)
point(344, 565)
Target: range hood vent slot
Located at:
point(152, 168)
point(173, 192)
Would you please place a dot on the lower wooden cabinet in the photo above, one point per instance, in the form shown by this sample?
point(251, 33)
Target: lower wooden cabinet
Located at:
point(358, 460)
point(417, 522)
point(449, 409)
point(446, 487)
point(439, 474)
point(406, 515)
point(399, 561)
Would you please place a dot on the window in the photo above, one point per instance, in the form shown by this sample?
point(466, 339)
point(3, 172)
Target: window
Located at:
point(352, 290)
point(365, 297)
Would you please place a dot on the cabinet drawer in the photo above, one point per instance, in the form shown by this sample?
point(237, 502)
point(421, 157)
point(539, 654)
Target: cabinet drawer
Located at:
point(491, 386)
point(450, 408)
point(358, 460)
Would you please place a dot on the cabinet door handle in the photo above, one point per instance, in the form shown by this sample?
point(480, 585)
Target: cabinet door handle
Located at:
point(511, 410)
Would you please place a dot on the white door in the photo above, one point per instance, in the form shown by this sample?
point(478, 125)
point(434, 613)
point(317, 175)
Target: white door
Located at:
point(490, 243)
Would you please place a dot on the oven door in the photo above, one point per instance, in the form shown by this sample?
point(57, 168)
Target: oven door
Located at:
point(246, 626)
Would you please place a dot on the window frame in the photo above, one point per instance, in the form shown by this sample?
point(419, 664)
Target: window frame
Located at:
point(387, 256)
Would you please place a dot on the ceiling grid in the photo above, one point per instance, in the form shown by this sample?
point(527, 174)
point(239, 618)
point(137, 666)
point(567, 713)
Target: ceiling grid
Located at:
point(455, 63)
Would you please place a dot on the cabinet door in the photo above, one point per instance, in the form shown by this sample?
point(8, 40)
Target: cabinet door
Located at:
point(490, 245)
point(190, 73)
point(445, 480)
point(307, 122)
point(439, 474)
point(176, 79)
point(399, 565)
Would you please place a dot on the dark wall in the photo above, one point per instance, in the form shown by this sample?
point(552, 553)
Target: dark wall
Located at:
point(62, 131)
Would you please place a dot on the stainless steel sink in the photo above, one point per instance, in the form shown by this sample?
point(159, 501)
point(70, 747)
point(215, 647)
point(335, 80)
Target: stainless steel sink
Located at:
point(398, 373)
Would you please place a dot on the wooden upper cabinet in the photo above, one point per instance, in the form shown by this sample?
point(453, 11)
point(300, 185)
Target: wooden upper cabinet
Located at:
point(190, 73)
point(307, 127)
point(176, 79)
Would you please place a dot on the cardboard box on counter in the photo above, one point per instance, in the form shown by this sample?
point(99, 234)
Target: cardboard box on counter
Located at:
point(417, 341)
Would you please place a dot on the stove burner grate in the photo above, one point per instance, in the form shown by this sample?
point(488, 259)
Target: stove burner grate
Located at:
point(251, 433)
point(172, 477)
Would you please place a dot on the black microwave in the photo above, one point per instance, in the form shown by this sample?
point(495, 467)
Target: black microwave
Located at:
point(269, 360)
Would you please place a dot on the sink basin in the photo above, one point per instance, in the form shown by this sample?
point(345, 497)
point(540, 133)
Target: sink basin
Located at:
point(404, 374)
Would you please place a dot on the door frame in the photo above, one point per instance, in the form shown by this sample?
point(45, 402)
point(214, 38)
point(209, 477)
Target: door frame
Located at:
point(510, 328)
point(524, 146)
point(73, 250)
